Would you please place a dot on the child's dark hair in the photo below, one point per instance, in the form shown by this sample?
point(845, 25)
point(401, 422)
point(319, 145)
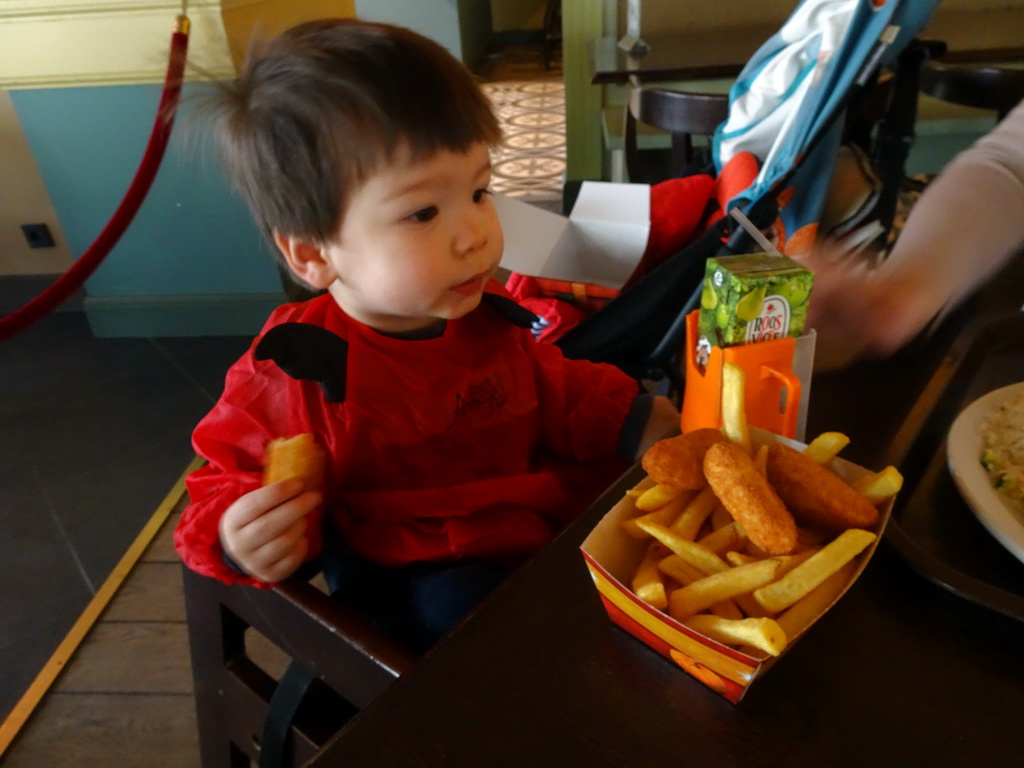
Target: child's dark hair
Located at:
point(319, 107)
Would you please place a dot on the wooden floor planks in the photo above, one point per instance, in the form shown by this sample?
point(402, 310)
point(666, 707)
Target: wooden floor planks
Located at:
point(125, 698)
point(108, 730)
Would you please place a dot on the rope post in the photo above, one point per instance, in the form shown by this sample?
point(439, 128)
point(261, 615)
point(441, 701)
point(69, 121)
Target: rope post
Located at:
point(87, 263)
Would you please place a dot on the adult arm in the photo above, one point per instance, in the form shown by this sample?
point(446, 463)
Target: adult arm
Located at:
point(966, 225)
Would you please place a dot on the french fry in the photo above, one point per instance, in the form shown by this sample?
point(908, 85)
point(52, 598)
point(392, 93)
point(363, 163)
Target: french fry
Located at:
point(699, 595)
point(676, 568)
point(786, 562)
point(750, 607)
point(799, 616)
point(663, 515)
point(762, 633)
point(695, 513)
point(747, 603)
point(798, 582)
point(648, 584)
point(740, 558)
point(726, 609)
point(720, 516)
point(700, 557)
point(789, 562)
point(881, 485)
point(761, 460)
point(826, 446)
point(656, 497)
point(724, 540)
point(734, 414)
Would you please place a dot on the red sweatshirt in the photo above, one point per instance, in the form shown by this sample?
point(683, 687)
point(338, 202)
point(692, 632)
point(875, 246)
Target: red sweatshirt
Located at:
point(480, 443)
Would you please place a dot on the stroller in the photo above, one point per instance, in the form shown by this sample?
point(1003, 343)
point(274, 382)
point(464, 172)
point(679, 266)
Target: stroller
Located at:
point(798, 106)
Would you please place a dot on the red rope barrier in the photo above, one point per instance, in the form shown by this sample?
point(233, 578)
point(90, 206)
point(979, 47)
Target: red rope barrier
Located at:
point(71, 280)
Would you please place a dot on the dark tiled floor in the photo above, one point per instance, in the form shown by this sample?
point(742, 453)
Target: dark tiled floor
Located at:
point(94, 434)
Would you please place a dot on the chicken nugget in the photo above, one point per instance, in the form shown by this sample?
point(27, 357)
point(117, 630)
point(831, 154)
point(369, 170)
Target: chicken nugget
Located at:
point(679, 461)
point(751, 501)
point(297, 456)
point(816, 495)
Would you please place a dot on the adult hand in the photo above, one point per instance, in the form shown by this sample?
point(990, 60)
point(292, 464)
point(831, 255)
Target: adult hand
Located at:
point(861, 312)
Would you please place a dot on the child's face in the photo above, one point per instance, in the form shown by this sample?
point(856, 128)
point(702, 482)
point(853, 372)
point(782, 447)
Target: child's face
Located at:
point(418, 242)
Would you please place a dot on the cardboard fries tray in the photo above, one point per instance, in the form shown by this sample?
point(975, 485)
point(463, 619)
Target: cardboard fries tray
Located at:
point(932, 527)
point(612, 556)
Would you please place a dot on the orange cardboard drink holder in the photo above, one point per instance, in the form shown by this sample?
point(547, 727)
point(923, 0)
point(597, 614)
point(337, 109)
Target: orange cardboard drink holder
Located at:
point(612, 557)
point(777, 382)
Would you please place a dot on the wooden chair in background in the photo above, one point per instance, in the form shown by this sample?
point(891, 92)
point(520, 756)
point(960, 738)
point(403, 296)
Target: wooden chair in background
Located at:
point(350, 660)
point(998, 89)
point(682, 114)
point(552, 31)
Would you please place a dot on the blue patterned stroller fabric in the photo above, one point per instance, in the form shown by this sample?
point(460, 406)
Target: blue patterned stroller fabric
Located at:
point(787, 104)
point(787, 165)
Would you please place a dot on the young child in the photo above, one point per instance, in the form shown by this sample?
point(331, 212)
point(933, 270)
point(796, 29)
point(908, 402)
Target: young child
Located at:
point(457, 446)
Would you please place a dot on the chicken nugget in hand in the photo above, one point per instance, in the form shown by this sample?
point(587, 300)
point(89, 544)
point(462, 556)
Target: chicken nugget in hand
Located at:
point(298, 456)
point(264, 532)
point(679, 461)
point(751, 501)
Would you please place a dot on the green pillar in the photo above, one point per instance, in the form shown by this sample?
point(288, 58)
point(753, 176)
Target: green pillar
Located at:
point(582, 22)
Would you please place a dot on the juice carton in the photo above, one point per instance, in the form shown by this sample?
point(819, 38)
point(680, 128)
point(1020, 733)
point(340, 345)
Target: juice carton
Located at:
point(752, 297)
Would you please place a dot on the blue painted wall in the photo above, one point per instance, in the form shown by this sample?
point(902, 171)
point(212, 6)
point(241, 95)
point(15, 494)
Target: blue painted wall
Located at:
point(437, 19)
point(192, 262)
point(461, 26)
point(191, 238)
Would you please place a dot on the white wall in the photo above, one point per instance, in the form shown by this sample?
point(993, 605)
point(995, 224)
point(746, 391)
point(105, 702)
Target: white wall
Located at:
point(23, 200)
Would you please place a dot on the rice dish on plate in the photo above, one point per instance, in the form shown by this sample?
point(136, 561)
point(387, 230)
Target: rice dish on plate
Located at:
point(1002, 453)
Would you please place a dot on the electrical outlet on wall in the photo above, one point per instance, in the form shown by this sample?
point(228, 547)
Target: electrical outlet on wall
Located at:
point(38, 235)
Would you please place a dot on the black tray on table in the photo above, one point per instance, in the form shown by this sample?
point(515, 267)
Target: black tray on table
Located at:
point(932, 527)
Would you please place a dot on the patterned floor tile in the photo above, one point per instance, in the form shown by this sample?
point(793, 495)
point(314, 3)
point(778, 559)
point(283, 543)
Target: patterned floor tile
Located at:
point(530, 163)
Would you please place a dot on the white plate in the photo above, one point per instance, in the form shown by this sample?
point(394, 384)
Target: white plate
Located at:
point(963, 453)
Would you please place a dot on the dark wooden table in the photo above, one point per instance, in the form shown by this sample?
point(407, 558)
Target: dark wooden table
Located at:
point(900, 672)
point(989, 35)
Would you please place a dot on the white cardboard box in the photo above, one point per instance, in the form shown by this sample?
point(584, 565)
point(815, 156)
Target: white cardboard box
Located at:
point(601, 241)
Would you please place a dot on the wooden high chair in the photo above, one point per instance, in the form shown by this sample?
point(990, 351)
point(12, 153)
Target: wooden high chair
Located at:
point(349, 660)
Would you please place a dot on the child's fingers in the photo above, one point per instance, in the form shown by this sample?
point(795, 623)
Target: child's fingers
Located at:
point(281, 557)
point(274, 545)
point(258, 502)
point(281, 569)
point(275, 522)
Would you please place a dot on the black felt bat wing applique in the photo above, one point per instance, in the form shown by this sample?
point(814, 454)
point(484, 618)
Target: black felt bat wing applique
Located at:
point(305, 351)
point(510, 310)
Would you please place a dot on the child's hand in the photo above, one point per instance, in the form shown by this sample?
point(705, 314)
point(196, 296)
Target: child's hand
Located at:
point(264, 531)
point(663, 418)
